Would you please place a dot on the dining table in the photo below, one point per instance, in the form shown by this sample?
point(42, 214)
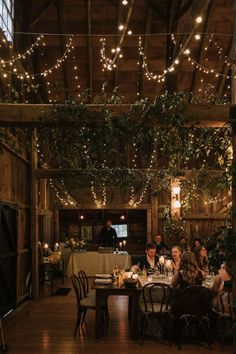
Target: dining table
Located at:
point(106, 290)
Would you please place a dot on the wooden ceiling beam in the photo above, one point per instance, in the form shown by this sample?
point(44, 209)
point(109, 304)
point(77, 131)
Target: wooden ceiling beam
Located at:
point(225, 72)
point(30, 115)
point(119, 22)
point(41, 12)
point(90, 50)
point(145, 44)
point(201, 48)
point(63, 48)
point(183, 10)
point(157, 10)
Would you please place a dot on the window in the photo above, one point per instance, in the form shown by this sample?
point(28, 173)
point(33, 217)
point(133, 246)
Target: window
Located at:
point(121, 230)
point(6, 18)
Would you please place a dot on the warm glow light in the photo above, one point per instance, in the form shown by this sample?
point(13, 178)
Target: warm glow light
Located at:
point(121, 27)
point(124, 2)
point(197, 37)
point(176, 190)
point(199, 19)
point(187, 51)
point(129, 32)
point(177, 204)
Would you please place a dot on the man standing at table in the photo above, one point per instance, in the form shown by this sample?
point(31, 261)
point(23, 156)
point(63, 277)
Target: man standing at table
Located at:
point(108, 236)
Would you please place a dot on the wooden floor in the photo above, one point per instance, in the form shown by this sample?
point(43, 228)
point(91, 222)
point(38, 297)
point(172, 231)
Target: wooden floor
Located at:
point(47, 326)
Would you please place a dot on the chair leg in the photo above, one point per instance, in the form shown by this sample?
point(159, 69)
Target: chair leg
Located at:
point(77, 326)
point(182, 335)
point(83, 316)
point(142, 330)
point(206, 328)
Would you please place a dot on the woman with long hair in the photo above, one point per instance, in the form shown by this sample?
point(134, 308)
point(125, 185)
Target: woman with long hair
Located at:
point(188, 272)
point(201, 258)
point(176, 254)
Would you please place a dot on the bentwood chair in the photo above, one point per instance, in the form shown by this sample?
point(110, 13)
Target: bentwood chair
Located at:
point(92, 293)
point(155, 303)
point(225, 316)
point(192, 307)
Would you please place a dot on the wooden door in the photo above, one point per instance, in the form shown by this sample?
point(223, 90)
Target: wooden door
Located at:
point(8, 254)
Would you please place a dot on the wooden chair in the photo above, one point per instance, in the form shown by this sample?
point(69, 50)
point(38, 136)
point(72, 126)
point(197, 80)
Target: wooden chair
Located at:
point(225, 316)
point(192, 307)
point(156, 303)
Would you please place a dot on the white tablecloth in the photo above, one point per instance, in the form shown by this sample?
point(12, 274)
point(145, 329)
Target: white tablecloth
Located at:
point(94, 262)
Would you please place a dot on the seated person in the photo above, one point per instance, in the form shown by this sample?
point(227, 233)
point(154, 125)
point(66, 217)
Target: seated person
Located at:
point(183, 244)
point(196, 242)
point(188, 272)
point(161, 248)
point(176, 254)
point(222, 289)
point(148, 260)
point(201, 258)
point(108, 236)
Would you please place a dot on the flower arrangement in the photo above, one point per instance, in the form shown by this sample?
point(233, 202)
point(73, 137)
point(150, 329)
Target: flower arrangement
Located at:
point(74, 243)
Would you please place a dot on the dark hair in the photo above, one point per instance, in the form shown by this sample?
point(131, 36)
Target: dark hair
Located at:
point(150, 246)
point(196, 239)
point(188, 267)
point(202, 263)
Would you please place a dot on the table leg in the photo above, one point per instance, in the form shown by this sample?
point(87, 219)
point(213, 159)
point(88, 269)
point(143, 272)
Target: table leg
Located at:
point(130, 306)
point(98, 315)
point(134, 319)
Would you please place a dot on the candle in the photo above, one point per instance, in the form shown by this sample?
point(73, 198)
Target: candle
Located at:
point(161, 260)
point(168, 264)
point(124, 243)
point(120, 244)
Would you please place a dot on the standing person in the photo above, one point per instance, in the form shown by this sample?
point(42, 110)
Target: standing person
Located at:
point(108, 236)
point(176, 254)
point(148, 260)
point(161, 248)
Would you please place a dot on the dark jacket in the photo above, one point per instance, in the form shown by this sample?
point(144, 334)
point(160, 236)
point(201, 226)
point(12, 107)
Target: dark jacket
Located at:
point(108, 237)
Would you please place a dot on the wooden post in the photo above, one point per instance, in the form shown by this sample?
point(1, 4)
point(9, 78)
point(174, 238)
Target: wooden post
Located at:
point(149, 225)
point(233, 259)
point(154, 201)
point(34, 217)
point(56, 225)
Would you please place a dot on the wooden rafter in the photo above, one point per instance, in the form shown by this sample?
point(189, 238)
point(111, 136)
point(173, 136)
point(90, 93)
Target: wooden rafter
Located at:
point(157, 9)
point(30, 115)
point(145, 43)
point(119, 21)
point(225, 72)
point(183, 10)
point(90, 50)
point(41, 12)
point(171, 83)
point(63, 46)
point(201, 47)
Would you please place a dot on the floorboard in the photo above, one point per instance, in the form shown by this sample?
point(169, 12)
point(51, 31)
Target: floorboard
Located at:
point(47, 326)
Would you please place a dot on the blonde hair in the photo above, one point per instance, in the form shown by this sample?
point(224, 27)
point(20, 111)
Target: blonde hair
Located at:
point(188, 267)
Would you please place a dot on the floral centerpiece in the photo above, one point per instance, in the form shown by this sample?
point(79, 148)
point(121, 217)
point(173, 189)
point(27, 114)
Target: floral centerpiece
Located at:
point(74, 244)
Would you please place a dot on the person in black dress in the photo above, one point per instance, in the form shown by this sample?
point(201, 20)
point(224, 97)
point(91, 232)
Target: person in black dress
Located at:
point(161, 248)
point(108, 235)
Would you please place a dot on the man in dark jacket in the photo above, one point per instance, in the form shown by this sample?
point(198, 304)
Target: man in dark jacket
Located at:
point(108, 236)
point(148, 260)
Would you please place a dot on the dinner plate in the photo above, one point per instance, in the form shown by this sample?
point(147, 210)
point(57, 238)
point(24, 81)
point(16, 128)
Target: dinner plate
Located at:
point(104, 276)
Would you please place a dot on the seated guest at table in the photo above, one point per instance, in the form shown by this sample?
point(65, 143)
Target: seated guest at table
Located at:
point(188, 272)
point(148, 260)
point(108, 236)
point(196, 242)
point(176, 254)
point(161, 248)
point(222, 289)
point(183, 244)
point(201, 258)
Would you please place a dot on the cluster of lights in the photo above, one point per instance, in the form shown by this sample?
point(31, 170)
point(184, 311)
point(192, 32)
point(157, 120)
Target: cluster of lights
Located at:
point(132, 202)
point(24, 55)
point(66, 199)
point(218, 199)
point(26, 75)
point(110, 63)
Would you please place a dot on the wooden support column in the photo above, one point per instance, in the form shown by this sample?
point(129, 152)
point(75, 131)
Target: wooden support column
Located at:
point(56, 225)
point(43, 193)
point(154, 202)
point(233, 122)
point(149, 225)
point(34, 217)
